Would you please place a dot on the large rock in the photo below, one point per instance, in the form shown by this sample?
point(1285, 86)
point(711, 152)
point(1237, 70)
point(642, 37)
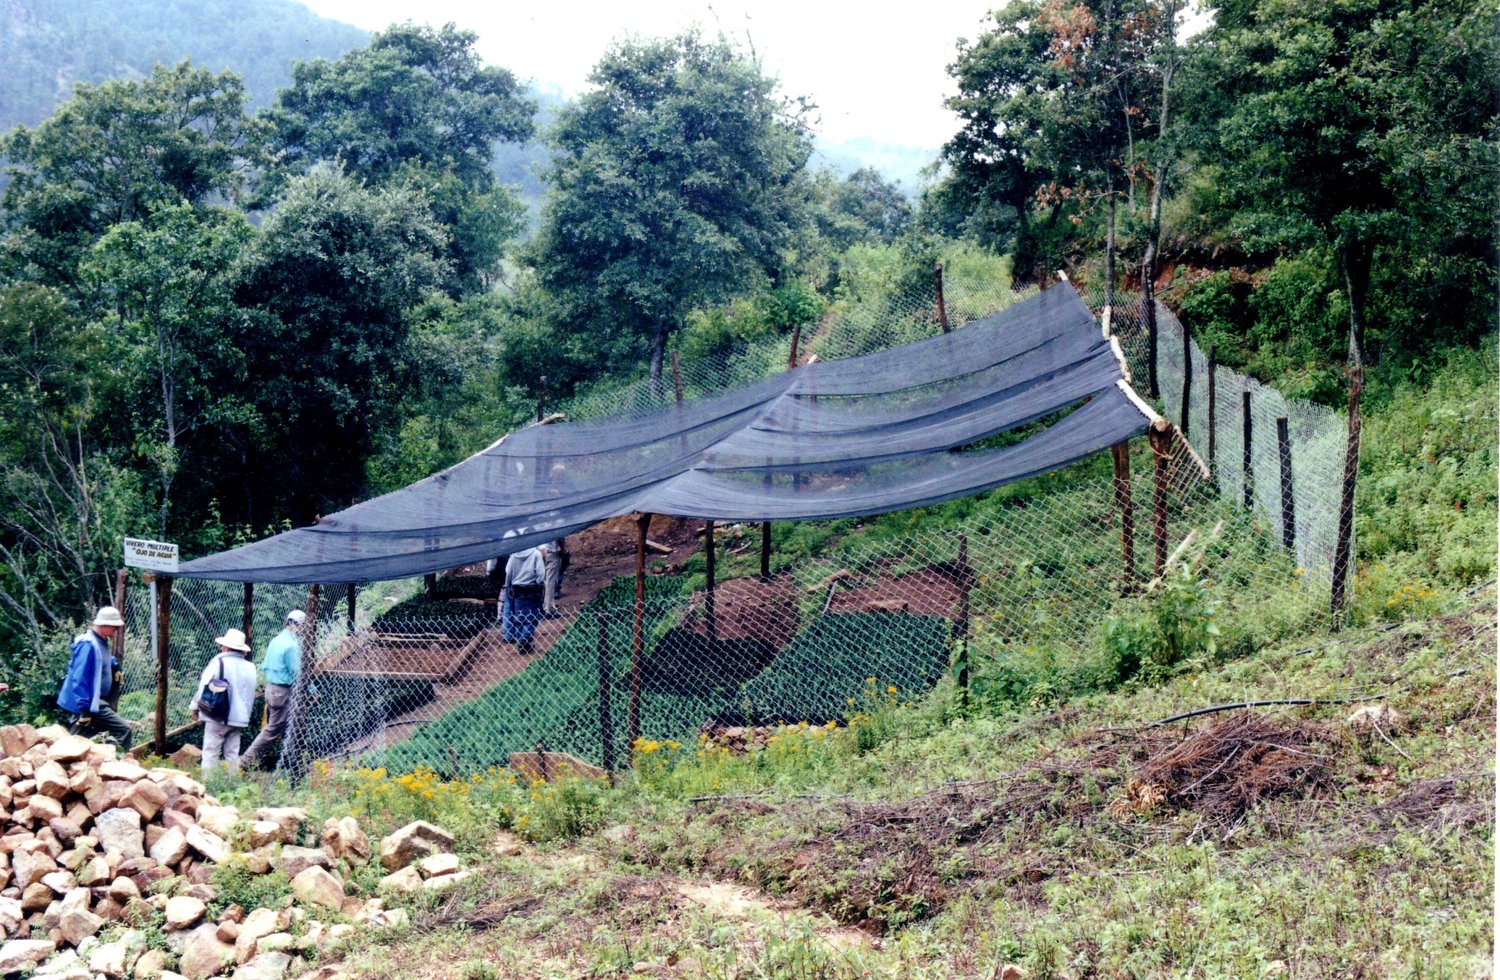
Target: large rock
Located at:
point(31, 866)
point(444, 882)
point(74, 918)
point(344, 839)
point(120, 830)
point(94, 871)
point(204, 954)
point(264, 966)
point(220, 820)
point(152, 964)
point(289, 818)
point(315, 886)
point(122, 769)
point(403, 882)
point(292, 861)
point(16, 739)
point(264, 833)
point(413, 842)
point(69, 748)
point(184, 911)
point(208, 844)
point(145, 798)
point(170, 848)
point(11, 916)
point(52, 780)
point(44, 809)
point(118, 958)
point(257, 925)
point(18, 954)
point(437, 865)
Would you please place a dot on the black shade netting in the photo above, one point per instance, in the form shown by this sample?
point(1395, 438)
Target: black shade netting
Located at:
point(860, 436)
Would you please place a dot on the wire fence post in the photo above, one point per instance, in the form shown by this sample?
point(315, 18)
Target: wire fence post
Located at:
point(1160, 436)
point(606, 676)
point(1187, 378)
point(637, 633)
point(349, 608)
point(677, 376)
point(961, 621)
point(1213, 410)
point(1288, 501)
point(791, 358)
point(161, 588)
point(765, 551)
point(942, 308)
point(247, 617)
point(541, 398)
point(1149, 315)
point(117, 642)
point(1247, 463)
point(296, 751)
point(710, 618)
point(1120, 452)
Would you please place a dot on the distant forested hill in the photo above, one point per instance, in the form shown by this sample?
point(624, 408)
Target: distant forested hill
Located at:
point(47, 46)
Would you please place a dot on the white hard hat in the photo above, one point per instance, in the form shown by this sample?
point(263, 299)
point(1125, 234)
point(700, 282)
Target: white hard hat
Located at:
point(108, 616)
point(296, 616)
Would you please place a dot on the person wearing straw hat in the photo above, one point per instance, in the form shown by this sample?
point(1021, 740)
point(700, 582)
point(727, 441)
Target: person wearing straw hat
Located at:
point(226, 692)
point(282, 666)
point(92, 673)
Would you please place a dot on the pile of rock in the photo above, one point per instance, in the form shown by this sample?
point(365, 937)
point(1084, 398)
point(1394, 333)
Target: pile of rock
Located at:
point(89, 841)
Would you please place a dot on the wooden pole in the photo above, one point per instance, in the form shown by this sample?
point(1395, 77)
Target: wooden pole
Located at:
point(163, 660)
point(296, 752)
point(709, 598)
point(1213, 410)
point(429, 585)
point(1120, 451)
point(247, 618)
point(765, 551)
point(942, 308)
point(961, 621)
point(1246, 462)
point(1149, 315)
point(541, 398)
point(1187, 377)
point(349, 612)
point(1288, 499)
point(791, 360)
point(677, 376)
point(1160, 436)
point(606, 732)
point(117, 644)
point(638, 632)
point(1344, 543)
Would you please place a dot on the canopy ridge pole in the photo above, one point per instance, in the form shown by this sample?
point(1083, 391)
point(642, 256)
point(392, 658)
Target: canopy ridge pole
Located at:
point(942, 308)
point(709, 598)
point(638, 632)
point(606, 732)
point(1187, 377)
point(1120, 452)
point(1246, 461)
point(1288, 498)
point(117, 643)
point(1213, 408)
point(247, 621)
point(1160, 436)
point(162, 587)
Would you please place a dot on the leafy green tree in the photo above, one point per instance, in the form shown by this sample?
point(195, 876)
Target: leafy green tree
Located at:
point(327, 291)
point(863, 208)
point(680, 179)
point(114, 153)
point(417, 107)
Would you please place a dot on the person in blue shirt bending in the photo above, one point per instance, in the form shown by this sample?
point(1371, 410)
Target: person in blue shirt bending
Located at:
point(282, 665)
point(92, 673)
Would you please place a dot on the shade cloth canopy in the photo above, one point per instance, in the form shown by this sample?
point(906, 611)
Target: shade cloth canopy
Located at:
point(864, 435)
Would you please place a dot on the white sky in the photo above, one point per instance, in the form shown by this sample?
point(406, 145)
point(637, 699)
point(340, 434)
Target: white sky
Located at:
point(875, 73)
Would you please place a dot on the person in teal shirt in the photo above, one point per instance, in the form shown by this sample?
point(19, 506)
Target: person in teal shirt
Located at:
point(282, 666)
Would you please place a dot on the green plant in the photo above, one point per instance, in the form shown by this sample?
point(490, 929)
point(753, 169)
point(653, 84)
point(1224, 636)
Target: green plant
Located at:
point(1162, 630)
point(235, 884)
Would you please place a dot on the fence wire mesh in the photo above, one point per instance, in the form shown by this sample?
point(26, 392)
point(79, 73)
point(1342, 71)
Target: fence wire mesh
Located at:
point(854, 613)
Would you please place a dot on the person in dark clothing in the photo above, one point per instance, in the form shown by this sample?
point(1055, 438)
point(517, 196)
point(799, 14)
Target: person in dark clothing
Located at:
point(525, 589)
point(92, 673)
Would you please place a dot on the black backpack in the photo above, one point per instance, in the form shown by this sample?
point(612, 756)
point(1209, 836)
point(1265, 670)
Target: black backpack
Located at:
point(214, 702)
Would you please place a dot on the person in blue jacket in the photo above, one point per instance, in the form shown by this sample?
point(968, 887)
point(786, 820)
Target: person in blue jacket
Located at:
point(92, 673)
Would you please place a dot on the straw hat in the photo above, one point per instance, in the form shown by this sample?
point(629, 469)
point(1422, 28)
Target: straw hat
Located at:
point(108, 616)
point(234, 640)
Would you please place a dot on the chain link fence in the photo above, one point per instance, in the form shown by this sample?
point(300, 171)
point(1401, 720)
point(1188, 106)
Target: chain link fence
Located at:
point(852, 615)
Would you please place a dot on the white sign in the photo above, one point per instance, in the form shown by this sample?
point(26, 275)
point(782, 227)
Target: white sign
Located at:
point(158, 556)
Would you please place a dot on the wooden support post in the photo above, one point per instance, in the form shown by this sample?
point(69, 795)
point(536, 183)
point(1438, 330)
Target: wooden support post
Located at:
point(709, 598)
point(1152, 389)
point(765, 551)
point(349, 611)
point(247, 616)
point(429, 585)
point(117, 644)
point(1288, 500)
point(310, 634)
point(1213, 410)
point(637, 633)
point(1120, 451)
point(1247, 462)
point(942, 308)
point(163, 611)
point(961, 620)
point(1160, 436)
point(1187, 378)
point(541, 398)
point(677, 376)
point(606, 678)
point(295, 753)
point(791, 358)
point(1344, 543)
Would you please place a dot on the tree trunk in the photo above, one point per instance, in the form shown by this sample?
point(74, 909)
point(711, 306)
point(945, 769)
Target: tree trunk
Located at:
point(1109, 243)
point(1354, 259)
point(1153, 228)
point(658, 353)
